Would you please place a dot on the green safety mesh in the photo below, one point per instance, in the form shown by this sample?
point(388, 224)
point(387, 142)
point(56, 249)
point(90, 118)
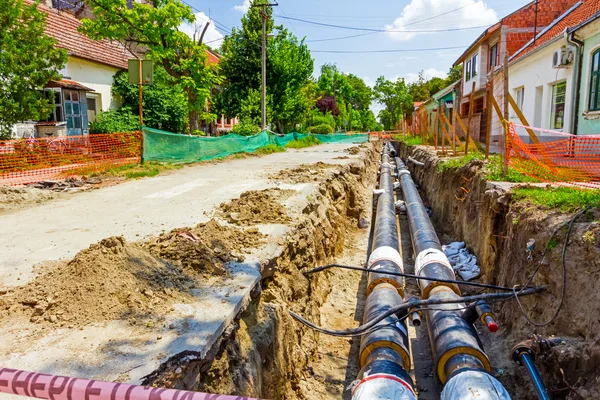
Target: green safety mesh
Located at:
point(164, 146)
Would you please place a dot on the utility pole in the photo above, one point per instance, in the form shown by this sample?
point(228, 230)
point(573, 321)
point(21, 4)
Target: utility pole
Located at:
point(263, 104)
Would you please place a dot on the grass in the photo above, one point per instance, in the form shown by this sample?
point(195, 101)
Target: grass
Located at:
point(269, 149)
point(409, 140)
point(136, 171)
point(303, 143)
point(565, 199)
point(493, 169)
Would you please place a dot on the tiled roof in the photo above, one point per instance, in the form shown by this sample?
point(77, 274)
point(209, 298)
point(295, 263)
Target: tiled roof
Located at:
point(63, 25)
point(68, 84)
point(588, 10)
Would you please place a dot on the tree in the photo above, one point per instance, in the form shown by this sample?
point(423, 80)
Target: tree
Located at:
point(361, 95)
point(165, 103)
point(29, 59)
point(385, 117)
point(395, 97)
point(328, 104)
point(289, 67)
point(419, 90)
point(155, 26)
point(455, 74)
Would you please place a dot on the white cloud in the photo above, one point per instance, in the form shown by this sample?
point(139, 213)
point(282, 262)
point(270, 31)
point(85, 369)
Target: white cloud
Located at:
point(473, 13)
point(244, 7)
point(212, 37)
point(427, 74)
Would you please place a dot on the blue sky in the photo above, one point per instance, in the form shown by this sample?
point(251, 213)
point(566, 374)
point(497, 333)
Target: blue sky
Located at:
point(406, 16)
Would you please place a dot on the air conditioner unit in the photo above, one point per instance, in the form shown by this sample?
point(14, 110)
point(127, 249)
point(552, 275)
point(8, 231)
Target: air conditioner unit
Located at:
point(562, 58)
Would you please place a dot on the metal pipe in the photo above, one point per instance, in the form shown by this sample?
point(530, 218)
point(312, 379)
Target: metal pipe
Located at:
point(384, 353)
point(461, 363)
point(536, 379)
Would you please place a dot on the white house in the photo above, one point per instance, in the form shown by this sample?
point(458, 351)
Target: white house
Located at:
point(545, 76)
point(85, 89)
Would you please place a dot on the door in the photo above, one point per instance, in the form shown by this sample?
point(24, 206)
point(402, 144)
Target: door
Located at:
point(76, 113)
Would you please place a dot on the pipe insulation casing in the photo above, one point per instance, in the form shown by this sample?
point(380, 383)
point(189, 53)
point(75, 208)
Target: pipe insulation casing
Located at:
point(385, 256)
point(433, 264)
point(451, 335)
point(383, 380)
point(474, 385)
point(395, 335)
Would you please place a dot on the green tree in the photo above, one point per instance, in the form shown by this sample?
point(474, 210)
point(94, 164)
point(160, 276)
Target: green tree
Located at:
point(154, 26)
point(165, 103)
point(289, 67)
point(361, 95)
point(455, 74)
point(385, 117)
point(419, 90)
point(395, 97)
point(28, 60)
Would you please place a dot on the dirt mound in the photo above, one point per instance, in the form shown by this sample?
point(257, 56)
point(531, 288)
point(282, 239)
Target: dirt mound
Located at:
point(118, 280)
point(257, 207)
point(110, 280)
point(205, 248)
point(354, 150)
point(16, 197)
point(305, 173)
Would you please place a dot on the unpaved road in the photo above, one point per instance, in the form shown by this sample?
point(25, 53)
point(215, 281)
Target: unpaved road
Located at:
point(136, 209)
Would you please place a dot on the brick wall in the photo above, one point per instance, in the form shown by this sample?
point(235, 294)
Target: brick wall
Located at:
point(548, 12)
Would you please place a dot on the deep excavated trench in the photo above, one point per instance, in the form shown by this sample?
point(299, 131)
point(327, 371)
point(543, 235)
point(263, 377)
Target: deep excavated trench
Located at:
point(266, 354)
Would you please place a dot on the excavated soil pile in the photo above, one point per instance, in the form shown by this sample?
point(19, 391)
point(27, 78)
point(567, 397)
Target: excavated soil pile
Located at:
point(354, 150)
point(118, 280)
point(16, 197)
point(499, 230)
point(258, 207)
point(305, 173)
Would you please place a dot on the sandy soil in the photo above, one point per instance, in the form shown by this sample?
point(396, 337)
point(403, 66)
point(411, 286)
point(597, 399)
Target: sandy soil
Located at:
point(258, 207)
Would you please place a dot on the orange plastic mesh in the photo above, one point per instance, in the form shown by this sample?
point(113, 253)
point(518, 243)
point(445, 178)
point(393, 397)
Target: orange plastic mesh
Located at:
point(572, 160)
point(32, 160)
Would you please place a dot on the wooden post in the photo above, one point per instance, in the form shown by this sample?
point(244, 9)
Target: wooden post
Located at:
point(453, 127)
point(506, 88)
point(488, 130)
point(469, 119)
point(453, 130)
point(435, 130)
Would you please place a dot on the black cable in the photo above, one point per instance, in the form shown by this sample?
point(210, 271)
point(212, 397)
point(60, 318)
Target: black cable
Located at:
point(385, 51)
point(564, 271)
point(410, 276)
point(413, 304)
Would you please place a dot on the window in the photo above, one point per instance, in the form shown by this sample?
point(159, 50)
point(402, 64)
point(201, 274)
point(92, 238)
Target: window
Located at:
point(520, 95)
point(494, 55)
point(595, 83)
point(55, 94)
point(475, 65)
point(468, 71)
point(557, 119)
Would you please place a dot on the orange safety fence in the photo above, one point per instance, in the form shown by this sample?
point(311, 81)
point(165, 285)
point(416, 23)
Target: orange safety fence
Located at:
point(36, 159)
point(383, 135)
point(564, 159)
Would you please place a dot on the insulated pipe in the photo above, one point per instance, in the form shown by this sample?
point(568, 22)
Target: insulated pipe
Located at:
point(461, 363)
point(384, 353)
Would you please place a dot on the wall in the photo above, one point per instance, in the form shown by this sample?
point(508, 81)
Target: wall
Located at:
point(468, 84)
point(589, 122)
point(96, 76)
point(535, 72)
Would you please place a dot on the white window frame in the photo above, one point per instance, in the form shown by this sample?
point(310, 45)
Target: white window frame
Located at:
point(475, 65)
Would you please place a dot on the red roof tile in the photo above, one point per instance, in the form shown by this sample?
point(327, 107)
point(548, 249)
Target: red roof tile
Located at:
point(63, 25)
point(586, 11)
point(68, 84)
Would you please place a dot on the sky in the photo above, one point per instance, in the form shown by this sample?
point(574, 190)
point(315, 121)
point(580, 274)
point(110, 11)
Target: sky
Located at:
point(431, 34)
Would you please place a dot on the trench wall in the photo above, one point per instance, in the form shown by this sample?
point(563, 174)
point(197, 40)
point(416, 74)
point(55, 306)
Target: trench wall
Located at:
point(496, 229)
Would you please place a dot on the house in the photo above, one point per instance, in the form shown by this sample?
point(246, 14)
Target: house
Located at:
point(485, 56)
point(85, 89)
point(222, 125)
point(554, 78)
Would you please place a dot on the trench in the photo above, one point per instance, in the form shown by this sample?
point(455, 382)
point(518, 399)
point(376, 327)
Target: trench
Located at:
point(266, 354)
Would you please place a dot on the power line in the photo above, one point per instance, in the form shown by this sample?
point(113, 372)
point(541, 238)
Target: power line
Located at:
point(385, 51)
point(292, 25)
point(354, 28)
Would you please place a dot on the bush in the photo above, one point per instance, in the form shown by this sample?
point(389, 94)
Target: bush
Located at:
point(321, 129)
point(304, 142)
point(246, 128)
point(121, 120)
point(320, 119)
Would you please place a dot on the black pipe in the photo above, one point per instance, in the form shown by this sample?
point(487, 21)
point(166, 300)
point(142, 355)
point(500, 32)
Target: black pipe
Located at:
point(454, 341)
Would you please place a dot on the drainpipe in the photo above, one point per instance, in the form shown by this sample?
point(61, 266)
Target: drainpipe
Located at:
point(461, 364)
point(384, 353)
point(578, 46)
